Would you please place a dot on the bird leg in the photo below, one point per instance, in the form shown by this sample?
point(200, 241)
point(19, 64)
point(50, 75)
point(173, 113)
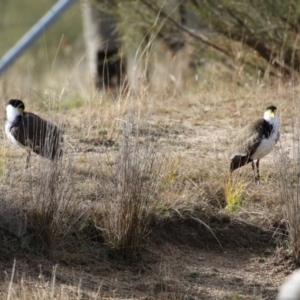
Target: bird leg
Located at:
point(257, 170)
point(28, 159)
point(256, 173)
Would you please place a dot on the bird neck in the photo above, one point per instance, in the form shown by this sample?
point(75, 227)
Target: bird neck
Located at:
point(271, 119)
point(11, 113)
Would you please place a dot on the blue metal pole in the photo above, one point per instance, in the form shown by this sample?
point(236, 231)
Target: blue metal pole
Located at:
point(33, 33)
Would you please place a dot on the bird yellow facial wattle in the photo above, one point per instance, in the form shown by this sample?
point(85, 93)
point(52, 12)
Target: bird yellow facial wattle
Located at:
point(20, 109)
point(271, 113)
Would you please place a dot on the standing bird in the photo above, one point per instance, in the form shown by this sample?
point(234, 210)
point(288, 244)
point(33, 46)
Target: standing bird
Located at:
point(255, 141)
point(31, 132)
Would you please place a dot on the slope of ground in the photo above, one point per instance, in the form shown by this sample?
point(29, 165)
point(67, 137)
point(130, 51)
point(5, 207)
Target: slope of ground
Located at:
point(180, 260)
point(241, 256)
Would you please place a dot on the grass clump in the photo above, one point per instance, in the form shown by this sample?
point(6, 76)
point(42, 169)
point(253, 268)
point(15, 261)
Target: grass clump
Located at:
point(42, 208)
point(131, 193)
point(53, 205)
point(233, 190)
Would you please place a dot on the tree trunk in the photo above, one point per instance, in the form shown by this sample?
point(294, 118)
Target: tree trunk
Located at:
point(103, 44)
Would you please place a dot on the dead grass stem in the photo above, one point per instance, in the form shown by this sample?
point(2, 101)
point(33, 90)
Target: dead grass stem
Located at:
point(288, 171)
point(131, 192)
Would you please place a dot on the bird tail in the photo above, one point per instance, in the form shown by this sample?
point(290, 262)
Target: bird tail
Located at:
point(239, 161)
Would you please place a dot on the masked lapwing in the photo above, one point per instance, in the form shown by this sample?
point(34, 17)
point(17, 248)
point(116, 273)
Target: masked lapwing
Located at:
point(255, 141)
point(31, 132)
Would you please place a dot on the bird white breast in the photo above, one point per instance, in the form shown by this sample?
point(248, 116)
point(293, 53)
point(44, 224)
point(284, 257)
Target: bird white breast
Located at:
point(11, 114)
point(264, 148)
point(267, 145)
point(10, 136)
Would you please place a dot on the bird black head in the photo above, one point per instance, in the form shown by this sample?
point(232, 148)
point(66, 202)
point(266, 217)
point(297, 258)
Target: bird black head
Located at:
point(272, 108)
point(16, 103)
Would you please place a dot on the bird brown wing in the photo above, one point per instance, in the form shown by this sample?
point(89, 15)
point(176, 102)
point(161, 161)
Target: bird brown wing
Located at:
point(42, 137)
point(246, 143)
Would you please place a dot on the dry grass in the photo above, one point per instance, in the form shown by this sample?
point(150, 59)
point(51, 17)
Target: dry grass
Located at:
point(130, 192)
point(41, 205)
point(136, 158)
point(24, 288)
point(233, 192)
point(287, 162)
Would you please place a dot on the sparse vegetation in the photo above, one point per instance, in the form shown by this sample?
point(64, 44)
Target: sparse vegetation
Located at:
point(145, 176)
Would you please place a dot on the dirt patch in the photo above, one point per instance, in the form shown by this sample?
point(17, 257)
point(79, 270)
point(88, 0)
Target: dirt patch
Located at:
point(181, 260)
point(216, 233)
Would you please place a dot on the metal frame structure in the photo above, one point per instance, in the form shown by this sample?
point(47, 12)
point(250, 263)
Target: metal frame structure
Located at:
point(9, 57)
